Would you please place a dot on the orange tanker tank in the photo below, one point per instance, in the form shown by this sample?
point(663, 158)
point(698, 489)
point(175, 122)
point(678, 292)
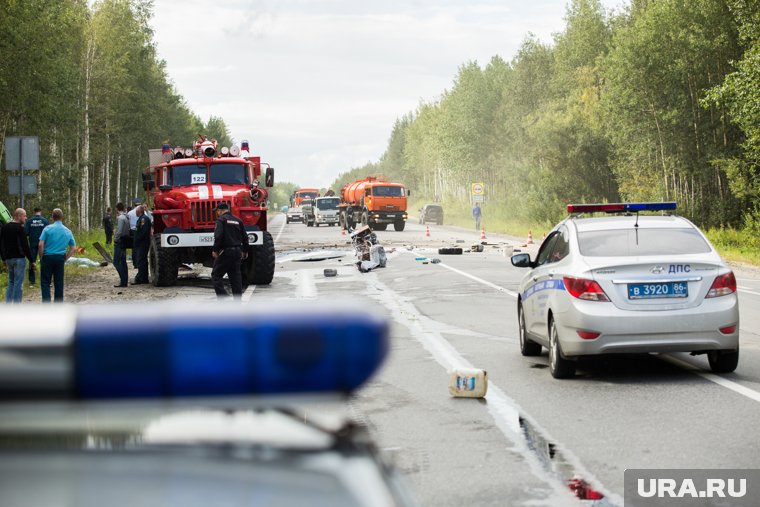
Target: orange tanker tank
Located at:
point(374, 202)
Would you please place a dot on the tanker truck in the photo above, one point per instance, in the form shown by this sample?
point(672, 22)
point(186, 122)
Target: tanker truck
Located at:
point(186, 186)
point(374, 202)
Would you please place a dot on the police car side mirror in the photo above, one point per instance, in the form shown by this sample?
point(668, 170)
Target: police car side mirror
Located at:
point(521, 261)
point(269, 177)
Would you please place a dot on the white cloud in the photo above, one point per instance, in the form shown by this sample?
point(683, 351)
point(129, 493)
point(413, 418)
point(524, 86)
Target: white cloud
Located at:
point(317, 86)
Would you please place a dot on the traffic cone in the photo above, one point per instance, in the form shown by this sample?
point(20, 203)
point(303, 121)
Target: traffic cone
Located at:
point(427, 231)
point(482, 233)
point(530, 237)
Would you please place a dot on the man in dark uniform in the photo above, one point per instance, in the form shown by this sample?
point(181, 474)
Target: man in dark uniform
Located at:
point(350, 224)
point(141, 245)
point(108, 225)
point(33, 228)
point(230, 248)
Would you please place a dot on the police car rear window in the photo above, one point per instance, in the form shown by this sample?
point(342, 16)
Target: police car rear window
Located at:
point(633, 242)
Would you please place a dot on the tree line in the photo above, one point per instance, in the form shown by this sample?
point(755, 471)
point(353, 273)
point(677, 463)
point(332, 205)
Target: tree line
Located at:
point(658, 102)
point(88, 82)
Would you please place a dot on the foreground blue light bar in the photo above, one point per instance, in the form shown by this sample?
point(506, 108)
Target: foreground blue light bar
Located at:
point(215, 351)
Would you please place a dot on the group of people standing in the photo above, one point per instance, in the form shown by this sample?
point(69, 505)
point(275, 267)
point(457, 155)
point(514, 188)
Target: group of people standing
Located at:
point(27, 239)
point(24, 239)
point(133, 231)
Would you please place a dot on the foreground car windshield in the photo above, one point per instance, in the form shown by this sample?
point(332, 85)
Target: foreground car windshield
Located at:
point(635, 242)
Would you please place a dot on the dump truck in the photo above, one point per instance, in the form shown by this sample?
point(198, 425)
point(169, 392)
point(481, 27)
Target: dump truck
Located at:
point(185, 187)
point(375, 202)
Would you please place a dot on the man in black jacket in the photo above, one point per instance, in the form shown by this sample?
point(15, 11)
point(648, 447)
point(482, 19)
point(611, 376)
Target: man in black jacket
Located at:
point(142, 245)
point(14, 250)
point(108, 225)
point(230, 248)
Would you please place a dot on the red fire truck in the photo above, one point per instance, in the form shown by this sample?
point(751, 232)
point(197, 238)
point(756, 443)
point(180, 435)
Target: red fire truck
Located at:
point(186, 186)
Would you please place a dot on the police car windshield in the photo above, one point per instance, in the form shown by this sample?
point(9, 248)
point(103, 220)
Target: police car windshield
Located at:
point(186, 175)
point(388, 191)
point(634, 242)
point(328, 203)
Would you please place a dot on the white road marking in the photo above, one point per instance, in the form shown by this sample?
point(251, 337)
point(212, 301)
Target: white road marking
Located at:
point(307, 288)
point(282, 228)
point(248, 293)
point(473, 277)
point(504, 410)
point(728, 384)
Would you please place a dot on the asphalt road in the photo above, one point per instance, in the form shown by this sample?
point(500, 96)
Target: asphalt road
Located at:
point(532, 433)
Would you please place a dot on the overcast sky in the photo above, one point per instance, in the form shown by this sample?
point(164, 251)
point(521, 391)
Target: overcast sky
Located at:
point(316, 85)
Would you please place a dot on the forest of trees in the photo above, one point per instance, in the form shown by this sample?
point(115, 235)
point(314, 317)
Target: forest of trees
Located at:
point(88, 82)
point(659, 102)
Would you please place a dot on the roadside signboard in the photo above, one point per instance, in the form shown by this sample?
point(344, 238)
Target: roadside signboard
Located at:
point(478, 188)
point(22, 153)
point(30, 185)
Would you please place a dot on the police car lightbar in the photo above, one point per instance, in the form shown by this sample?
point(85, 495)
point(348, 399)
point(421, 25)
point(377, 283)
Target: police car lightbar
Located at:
point(174, 351)
point(621, 207)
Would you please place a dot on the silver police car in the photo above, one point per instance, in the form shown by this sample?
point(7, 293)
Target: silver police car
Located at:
point(627, 283)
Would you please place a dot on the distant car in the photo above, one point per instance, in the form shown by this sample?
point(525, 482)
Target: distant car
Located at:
point(627, 284)
point(126, 417)
point(431, 213)
point(294, 214)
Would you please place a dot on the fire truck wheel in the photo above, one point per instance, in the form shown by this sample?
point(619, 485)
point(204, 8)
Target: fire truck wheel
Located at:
point(399, 225)
point(259, 267)
point(163, 265)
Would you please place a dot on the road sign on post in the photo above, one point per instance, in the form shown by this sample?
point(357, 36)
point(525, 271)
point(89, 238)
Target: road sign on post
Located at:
point(478, 188)
point(29, 185)
point(22, 153)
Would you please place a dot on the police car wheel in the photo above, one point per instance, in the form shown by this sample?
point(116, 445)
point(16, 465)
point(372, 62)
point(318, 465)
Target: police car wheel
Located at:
point(723, 361)
point(558, 365)
point(527, 346)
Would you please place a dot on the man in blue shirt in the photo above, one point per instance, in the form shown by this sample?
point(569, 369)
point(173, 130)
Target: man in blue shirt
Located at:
point(56, 246)
point(33, 228)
